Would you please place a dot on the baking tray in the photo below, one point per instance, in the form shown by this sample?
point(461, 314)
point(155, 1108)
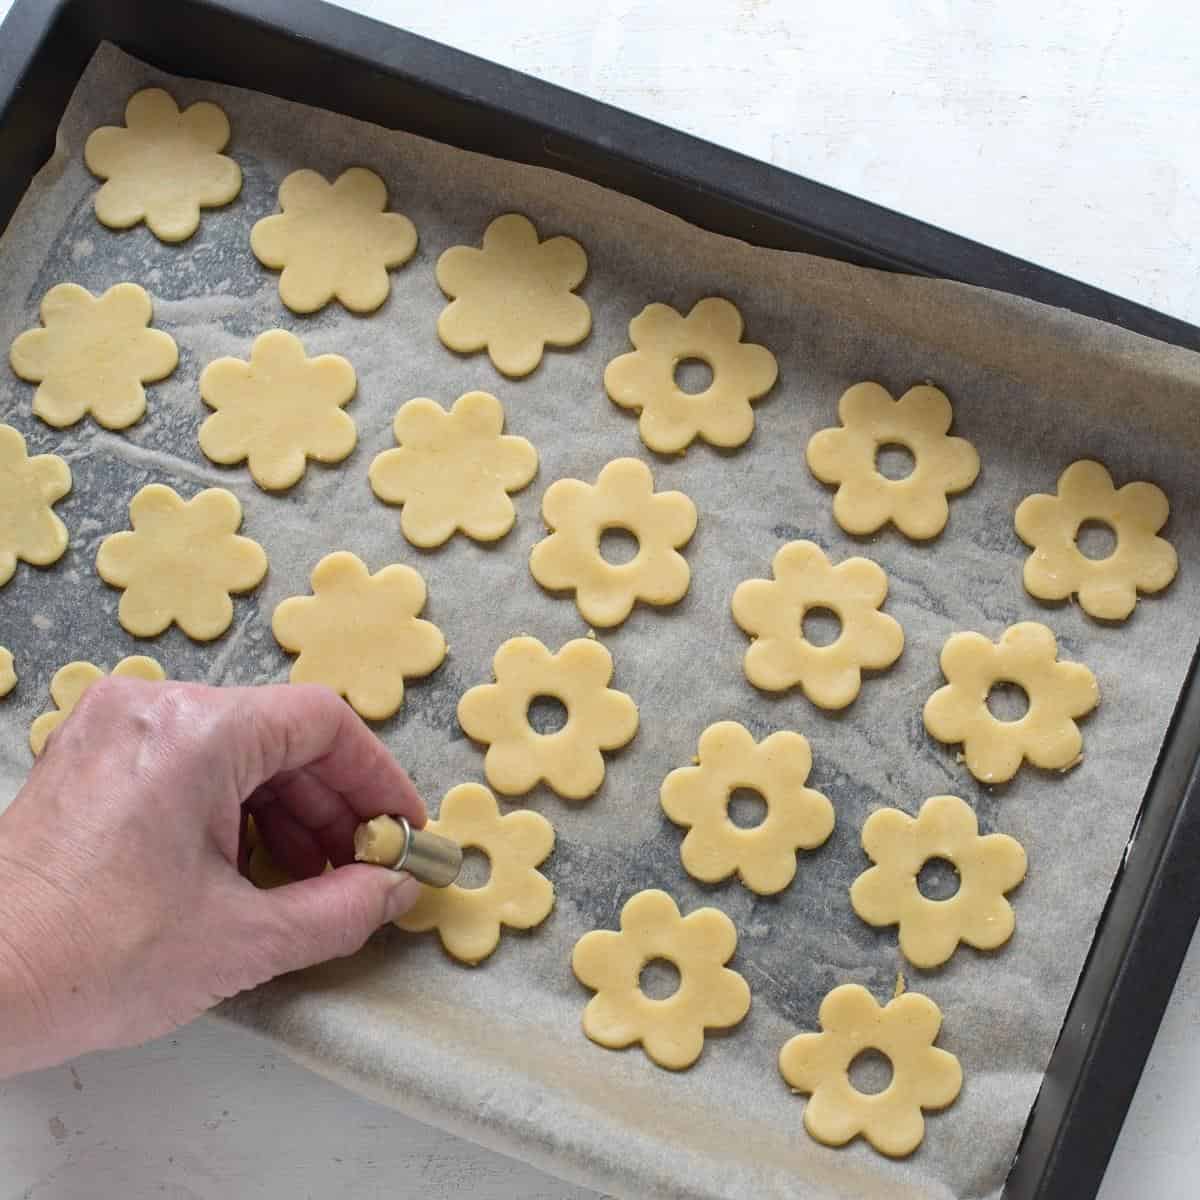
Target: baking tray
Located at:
point(307, 51)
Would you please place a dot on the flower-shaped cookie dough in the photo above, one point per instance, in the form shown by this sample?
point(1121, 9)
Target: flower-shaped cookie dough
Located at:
point(69, 684)
point(930, 930)
point(180, 562)
point(93, 355)
point(904, 1029)
point(453, 470)
point(333, 241)
point(516, 894)
point(764, 856)
point(866, 500)
point(29, 530)
point(569, 760)
point(1027, 655)
point(359, 633)
point(1107, 587)
point(8, 675)
point(710, 995)
point(162, 165)
point(645, 379)
point(772, 613)
point(623, 497)
point(278, 410)
point(514, 297)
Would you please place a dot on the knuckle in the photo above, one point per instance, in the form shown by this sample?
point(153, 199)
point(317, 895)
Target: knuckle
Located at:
point(101, 698)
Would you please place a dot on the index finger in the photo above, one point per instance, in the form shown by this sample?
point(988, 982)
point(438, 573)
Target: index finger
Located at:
point(286, 727)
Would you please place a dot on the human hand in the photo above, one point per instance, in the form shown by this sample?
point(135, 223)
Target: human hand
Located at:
point(122, 912)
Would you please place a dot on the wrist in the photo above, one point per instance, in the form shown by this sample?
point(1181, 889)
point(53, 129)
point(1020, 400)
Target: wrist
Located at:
point(26, 1028)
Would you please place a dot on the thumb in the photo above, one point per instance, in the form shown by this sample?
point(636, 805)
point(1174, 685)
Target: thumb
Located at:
point(332, 915)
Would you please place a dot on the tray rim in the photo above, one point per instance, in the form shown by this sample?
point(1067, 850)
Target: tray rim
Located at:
point(1147, 923)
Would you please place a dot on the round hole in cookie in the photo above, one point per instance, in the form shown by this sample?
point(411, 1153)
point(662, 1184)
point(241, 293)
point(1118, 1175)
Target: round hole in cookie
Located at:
point(1007, 701)
point(659, 979)
point(938, 879)
point(1096, 539)
point(693, 375)
point(820, 626)
point(618, 546)
point(870, 1071)
point(476, 869)
point(746, 808)
point(546, 714)
point(894, 461)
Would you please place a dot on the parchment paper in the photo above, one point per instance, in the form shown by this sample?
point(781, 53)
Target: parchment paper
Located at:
point(496, 1052)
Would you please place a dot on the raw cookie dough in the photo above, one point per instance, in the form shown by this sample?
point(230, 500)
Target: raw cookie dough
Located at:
point(772, 612)
point(513, 297)
point(70, 682)
point(333, 241)
point(645, 379)
point(697, 797)
point(923, 1076)
point(453, 470)
point(710, 995)
point(93, 355)
point(516, 894)
point(570, 760)
point(29, 530)
point(162, 165)
point(1027, 655)
point(8, 676)
point(866, 500)
point(278, 410)
point(359, 633)
point(380, 841)
point(930, 930)
point(180, 562)
point(623, 497)
point(1107, 587)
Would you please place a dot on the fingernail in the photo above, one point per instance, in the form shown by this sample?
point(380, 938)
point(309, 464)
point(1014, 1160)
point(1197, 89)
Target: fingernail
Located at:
point(402, 896)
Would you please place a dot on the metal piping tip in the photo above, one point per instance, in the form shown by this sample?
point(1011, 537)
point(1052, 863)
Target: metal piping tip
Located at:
point(392, 842)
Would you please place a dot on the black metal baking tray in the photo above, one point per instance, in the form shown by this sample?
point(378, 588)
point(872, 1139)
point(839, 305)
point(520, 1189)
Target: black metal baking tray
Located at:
point(308, 51)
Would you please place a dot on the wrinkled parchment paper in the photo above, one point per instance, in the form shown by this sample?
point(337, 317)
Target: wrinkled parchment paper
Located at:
point(496, 1052)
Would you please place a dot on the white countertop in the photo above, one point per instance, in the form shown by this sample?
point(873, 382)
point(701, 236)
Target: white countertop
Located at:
point(1067, 134)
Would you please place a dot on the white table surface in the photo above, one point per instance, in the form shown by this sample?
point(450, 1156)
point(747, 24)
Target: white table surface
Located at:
point(1067, 133)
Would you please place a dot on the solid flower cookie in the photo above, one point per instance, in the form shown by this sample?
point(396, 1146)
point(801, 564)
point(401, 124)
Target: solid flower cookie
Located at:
point(516, 894)
point(1058, 692)
point(359, 633)
point(569, 760)
point(453, 470)
point(1108, 587)
point(162, 166)
point(923, 1075)
point(29, 487)
point(919, 422)
point(514, 297)
point(8, 674)
point(69, 684)
point(644, 380)
point(623, 497)
point(93, 355)
point(930, 930)
point(278, 410)
point(333, 241)
point(697, 797)
point(180, 562)
point(710, 994)
point(772, 612)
